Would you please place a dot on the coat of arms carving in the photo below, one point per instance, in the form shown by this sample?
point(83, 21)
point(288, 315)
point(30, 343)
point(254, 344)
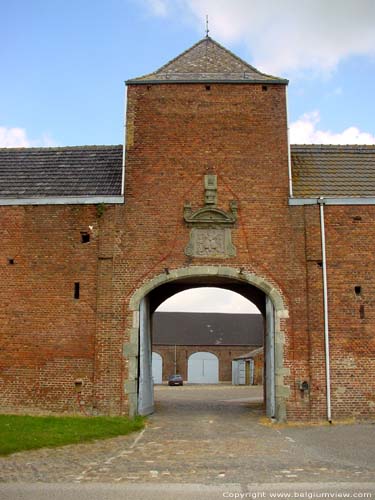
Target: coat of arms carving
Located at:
point(210, 234)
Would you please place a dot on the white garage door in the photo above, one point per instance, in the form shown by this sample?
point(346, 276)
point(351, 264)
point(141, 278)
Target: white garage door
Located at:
point(203, 368)
point(157, 368)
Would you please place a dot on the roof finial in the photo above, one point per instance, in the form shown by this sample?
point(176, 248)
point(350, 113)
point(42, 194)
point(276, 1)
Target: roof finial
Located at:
point(207, 30)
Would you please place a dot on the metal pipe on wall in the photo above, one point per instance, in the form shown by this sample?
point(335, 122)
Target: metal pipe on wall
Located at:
point(175, 359)
point(321, 202)
point(288, 140)
point(124, 146)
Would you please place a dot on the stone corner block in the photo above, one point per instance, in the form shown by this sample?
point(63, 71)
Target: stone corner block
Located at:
point(130, 386)
point(130, 349)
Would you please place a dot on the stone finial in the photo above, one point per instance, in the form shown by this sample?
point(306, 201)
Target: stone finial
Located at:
point(210, 190)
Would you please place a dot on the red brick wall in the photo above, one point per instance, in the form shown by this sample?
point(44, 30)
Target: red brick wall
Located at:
point(350, 263)
point(225, 355)
point(176, 134)
point(258, 368)
point(47, 336)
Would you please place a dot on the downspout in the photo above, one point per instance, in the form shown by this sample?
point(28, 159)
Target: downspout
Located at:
point(288, 140)
point(175, 359)
point(123, 149)
point(321, 203)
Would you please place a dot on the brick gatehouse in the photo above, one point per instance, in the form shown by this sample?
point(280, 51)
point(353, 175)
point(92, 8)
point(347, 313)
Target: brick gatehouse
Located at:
point(208, 193)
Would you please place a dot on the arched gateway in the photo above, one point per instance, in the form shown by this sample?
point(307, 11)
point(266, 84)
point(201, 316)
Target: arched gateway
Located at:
point(148, 297)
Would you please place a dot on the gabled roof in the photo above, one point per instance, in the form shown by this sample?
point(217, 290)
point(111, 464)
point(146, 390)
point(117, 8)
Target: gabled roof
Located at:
point(41, 173)
point(207, 61)
point(333, 171)
point(68, 171)
point(179, 328)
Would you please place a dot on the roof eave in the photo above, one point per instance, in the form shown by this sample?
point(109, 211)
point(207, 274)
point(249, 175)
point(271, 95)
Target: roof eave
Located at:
point(331, 200)
point(209, 80)
point(63, 200)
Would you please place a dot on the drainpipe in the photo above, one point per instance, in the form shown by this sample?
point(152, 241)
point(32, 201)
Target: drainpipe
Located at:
point(321, 203)
point(123, 149)
point(175, 359)
point(288, 139)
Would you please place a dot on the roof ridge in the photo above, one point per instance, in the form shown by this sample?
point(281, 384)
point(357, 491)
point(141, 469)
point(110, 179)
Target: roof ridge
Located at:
point(171, 60)
point(174, 71)
point(59, 148)
point(180, 55)
point(253, 68)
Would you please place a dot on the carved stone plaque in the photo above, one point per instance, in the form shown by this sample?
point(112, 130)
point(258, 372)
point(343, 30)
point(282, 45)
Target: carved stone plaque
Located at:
point(210, 235)
point(210, 242)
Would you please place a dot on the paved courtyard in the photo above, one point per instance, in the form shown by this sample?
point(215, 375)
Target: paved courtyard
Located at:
point(207, 435)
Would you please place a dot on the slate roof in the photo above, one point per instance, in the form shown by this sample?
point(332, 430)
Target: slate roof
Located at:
point(178, 328)
point(318, 170)
point(333, 171)
point(207, 61)
point(53, 172)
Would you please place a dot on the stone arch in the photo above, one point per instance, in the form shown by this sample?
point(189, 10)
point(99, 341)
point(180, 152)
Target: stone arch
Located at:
point(280, 311)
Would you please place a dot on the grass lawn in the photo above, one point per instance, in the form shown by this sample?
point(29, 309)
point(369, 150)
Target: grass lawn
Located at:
point(22, 432)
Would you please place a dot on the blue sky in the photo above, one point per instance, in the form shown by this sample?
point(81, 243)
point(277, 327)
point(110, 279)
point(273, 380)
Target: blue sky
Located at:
point(64, 62)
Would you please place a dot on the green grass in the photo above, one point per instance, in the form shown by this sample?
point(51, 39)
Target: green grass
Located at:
point(22, 432)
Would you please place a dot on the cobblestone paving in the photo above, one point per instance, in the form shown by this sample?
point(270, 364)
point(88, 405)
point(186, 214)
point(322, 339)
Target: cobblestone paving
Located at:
point(207, 435)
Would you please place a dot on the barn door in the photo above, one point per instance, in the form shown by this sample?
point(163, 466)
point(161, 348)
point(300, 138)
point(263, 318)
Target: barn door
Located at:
point(270, 359)
point(145, 384)
point(203, 368)
point(157, 368)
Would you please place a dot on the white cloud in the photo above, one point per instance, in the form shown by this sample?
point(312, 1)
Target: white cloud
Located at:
point(305, 131)
point(284, 36)
point(15, 137)
point(158, 7)
point(208, 300)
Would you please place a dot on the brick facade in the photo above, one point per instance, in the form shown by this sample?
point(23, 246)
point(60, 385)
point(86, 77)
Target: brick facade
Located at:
point(225, 355)
point(177, 133)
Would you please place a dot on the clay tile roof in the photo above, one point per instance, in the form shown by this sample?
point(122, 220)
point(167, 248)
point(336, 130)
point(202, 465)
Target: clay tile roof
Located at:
point(67, 171)
point(333, 171)
point(207, 61)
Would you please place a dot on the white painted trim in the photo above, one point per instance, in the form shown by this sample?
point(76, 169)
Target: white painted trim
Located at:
point(290, 178)
point(369, 200)
point(63, 200)
point(124, 146)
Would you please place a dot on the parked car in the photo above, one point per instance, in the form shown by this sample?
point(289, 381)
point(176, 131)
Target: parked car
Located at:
point(175, 380)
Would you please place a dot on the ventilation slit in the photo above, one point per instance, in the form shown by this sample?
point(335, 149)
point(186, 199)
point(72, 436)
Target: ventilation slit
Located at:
point(85, 237)
point(362, 311)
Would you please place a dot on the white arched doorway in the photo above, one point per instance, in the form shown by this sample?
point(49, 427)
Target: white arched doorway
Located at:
point(203, 368)
point(157, 368)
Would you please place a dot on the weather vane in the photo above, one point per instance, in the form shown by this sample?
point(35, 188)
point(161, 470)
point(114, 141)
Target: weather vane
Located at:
point(207, 30)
